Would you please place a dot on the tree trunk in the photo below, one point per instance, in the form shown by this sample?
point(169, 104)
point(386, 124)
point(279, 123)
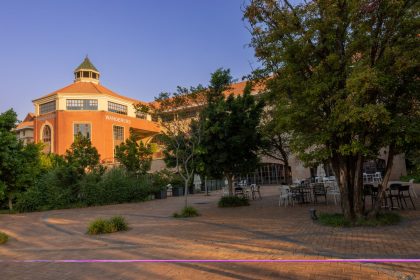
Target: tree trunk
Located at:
point(286, 171)
point(229, 178)
point(358, 187)
point(10, 202)
point(186, 192)
point(349, 170)
point(382, 187)
point(205, 185)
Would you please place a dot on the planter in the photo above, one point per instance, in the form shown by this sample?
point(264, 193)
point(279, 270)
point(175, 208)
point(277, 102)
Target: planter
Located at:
point(161, 194)
point(177, 191)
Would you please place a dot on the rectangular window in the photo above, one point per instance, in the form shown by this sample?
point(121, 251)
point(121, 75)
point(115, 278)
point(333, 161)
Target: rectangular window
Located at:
point(141, 115)
point(118, 136)
point(82, 104)
point(47, 107)
point(117, 108)
point(83, 128)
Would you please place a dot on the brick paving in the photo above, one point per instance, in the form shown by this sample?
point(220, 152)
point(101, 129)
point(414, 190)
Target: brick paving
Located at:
point(261, 231)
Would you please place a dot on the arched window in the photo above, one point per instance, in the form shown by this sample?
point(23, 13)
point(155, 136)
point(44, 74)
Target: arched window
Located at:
point(46, 138)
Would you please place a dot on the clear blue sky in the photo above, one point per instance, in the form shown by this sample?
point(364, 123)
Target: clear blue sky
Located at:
point(140, 47)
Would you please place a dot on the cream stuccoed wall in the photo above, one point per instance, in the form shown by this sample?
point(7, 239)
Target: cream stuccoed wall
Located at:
point(102, 102)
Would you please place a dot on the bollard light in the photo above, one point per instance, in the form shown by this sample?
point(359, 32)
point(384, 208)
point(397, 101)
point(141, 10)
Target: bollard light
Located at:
point(312, 211)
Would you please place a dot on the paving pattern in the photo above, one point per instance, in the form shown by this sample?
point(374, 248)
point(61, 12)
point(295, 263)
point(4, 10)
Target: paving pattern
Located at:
point(261, 231)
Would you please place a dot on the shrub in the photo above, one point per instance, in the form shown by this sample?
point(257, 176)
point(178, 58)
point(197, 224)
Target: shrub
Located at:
point(187, 212)
point(338, 220)
point(233, 201)
point(49, 192)
point(100, 226)
point(115, 186)
point(118, 223)
point(97, 226)
point(414, 176)
point(3, 237)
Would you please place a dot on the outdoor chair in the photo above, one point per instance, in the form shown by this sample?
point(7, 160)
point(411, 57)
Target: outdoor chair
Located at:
point(369, 190)
point(169, 190)
point(334, 191)
point(393, 193)
point(404, 192)
point(225, 191)
point(285, 196)
point(319, 190)
point(412, 190)
point(254, 190)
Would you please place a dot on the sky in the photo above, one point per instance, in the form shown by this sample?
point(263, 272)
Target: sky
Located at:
point(140, 47)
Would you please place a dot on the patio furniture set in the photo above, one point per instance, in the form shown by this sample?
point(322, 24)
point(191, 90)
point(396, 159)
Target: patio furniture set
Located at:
point(397, 193)
point(243, 189)
point(305, 192)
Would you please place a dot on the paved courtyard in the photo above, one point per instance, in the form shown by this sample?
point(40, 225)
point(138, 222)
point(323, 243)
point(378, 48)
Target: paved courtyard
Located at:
point(261, 231)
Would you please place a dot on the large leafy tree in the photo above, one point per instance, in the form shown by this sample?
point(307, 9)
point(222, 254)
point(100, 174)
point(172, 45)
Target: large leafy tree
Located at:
point(181, 132)
point(134, 154)
point(230, 139)
point(82, 156)
point(19, 164)
point(345, 78)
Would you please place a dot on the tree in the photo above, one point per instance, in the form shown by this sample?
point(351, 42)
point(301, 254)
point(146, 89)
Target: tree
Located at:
point(82, 156)
point(19, 164)
point(181, 133)
point(134, 154)
point(345, 77)
point(230, 139)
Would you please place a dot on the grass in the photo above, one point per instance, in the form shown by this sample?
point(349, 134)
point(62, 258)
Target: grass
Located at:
point(337, 220)
point(233, 201)
point(187, 212)
point(100, 226)
point(3, 237)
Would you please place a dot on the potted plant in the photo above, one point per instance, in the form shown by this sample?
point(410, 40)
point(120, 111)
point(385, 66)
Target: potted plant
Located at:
point(160, 182)
point(177, 185)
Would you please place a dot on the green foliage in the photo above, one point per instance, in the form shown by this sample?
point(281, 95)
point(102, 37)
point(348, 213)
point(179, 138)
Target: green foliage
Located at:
point(187, 212)
point(230, 140)
point(19, 164)
point(97, 227)
point(408, 177)
point(100, 226)
point(49, 192)
point(115, 186)
point(3, 237)
point(343, 80)
point(56, 189)
point(338, 220)
point(134, 155)
point(233, 201)
point(162, 178)
point(82, 156)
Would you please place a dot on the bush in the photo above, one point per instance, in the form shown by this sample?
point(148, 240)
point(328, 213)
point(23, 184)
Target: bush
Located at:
point(233, 201)
point(62, 188)
point(118, 223)
point(3, 237)
point(407, 178)
point(49, 192)
point(116, 186)
point(100, 226)
point(187, 212)
point(338, 220)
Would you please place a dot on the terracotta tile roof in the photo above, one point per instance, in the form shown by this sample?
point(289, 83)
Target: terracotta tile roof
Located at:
point(238, 88)
point(27, 124)
point(89, 88)
point(29, 117)
point(235, 89)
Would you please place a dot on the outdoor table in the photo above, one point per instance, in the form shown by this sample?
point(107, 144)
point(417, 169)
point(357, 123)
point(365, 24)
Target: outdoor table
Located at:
point(303, 193)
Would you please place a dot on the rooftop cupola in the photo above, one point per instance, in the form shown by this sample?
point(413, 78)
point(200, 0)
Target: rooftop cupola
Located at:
point(86, 72)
